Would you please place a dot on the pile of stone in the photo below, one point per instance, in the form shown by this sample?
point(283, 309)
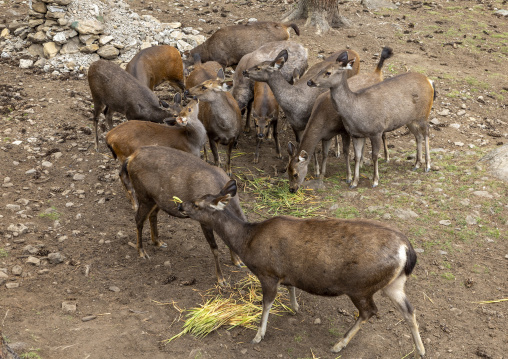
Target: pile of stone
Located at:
point(68, 35)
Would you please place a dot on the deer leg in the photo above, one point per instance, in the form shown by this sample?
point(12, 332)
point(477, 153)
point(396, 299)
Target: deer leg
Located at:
point(208, 232)
point(427, 147)
point(98, 108)
point(346, 141)
point(246, 129)
point(385, 147)
point(154, 232)
point(395, 291)
point(316, 164)
point(337, 148)
point(376, 145)
point(276, 137)
point(358, 144)
point(142, 212)
point(215, 151)
point(269, 287)
point(258, 145)
point(326, 147)
point(292, 299)
point(367, 309)
point(415, 130)
point(228, 157)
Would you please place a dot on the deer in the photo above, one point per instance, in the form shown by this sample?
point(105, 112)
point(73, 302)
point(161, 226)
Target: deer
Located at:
point(115, 90)
point(265, 111)
point(403, 100)
point(243, 87)
point(295, 100)
point(154, 65)
point(328, 257)
point(188, 134)
point(229, 44)
point(325, 124)
point(220, 115)
point(154, 174)
point(202, 72)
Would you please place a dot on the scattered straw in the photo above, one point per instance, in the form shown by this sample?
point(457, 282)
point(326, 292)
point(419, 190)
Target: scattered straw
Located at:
point(492, 301)
point(177, 200)
point(240, 307)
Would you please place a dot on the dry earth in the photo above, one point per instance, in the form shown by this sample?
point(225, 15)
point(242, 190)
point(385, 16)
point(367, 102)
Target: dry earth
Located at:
point(69, 198)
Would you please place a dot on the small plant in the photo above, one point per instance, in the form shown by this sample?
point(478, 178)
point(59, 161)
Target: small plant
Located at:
point(3, 253)
point(52, 214)
point(32, 354)
point(448, 276)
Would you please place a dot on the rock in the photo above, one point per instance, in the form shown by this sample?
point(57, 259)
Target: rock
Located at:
point(501, 13)
point(435, 121)
point(34, 261)
point(317, 321)
point(461, 113)
point(444, 112)
point(72, 47)
point(483, 194)
point(60, 38)
point(40, 7)
point(183, 46)
point(378, 4)
point(50, 49)
point(19, 228)
point(88, 27)
point(36, 50)
point(419, 250)
point(88, 318)
point(121, 236)
point(108, 52)
point(69, 307)
point(88, 49)
point(459, 144)
point(16, 270)
point(46, 164)
point(471, 220)
point(114, 288)
point(405, 214)
point(455, 125)
point(5, 33)
point(78, 177)
point(11, 285)
point(38, 38)
point(104, 39)
point(13, 207)
point(445, 222)
point(30, 249)
point(55, 258)
point(497, 162)
point(314, 185)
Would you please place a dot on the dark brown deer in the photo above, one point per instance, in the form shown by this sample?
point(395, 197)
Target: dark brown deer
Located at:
point(154, 65)
point(202, 72)
point(154, 174)
point(229, 44)
point(325, 124)
point(403, 100)
point(187, 135)
point(265, 111)
point(328, 257)
point(220, 115)
point(243, 87)
point(115, 90)
point(295, 100)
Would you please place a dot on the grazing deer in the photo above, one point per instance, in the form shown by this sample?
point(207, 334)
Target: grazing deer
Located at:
point(153, 175)
point(328, 257)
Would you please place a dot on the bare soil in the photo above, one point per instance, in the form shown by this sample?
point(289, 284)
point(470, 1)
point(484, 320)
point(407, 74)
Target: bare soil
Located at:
point(461, 45)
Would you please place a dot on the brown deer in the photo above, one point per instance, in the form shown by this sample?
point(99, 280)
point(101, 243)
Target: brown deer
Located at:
point(154, 174)
point(329, 257)
point(187, 135)
point(295, 100)
point(156, 64)
point(324, 125)
point(220, 115)
point(265, 111)
point(403, 100)
point(115, 90)
point(229, 44)
point(243, 87)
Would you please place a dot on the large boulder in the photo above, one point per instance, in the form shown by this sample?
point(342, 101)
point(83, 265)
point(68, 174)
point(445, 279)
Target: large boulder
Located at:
point(497, 162)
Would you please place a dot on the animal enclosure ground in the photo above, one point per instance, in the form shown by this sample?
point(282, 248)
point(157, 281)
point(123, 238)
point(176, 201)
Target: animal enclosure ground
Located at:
point(70, 200)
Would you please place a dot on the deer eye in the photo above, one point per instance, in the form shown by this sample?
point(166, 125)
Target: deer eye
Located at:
point(295, 175)
point(328, 73)
point(203, 87)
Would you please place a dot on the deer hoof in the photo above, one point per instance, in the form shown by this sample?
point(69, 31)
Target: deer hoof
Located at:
point(161, 244)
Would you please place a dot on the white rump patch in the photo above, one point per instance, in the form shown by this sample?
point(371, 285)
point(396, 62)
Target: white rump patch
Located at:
point(301, 159)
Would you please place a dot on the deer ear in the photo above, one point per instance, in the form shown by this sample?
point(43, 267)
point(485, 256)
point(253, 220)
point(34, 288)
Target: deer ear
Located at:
point(220, 74)
point(220, 203)
point(177, 99)
point(230, 188)
point(295, 77)
point(343, 58)
point(303, 156)
point(291, 149)
point(227, 85)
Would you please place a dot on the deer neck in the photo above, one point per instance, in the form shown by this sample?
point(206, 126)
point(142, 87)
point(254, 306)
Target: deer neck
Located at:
point(234, 231)
point(343, 98)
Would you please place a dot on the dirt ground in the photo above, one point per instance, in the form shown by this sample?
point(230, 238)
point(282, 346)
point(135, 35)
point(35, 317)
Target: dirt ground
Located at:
point(72, 203)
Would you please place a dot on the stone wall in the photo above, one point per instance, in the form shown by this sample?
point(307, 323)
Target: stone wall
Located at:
point(68, 35)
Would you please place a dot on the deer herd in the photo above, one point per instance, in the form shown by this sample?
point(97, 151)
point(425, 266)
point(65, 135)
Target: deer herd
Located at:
point(163, 155)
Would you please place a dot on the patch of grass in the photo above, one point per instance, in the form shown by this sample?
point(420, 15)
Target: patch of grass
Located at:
point(32, 354)
point(3, 253)
point(53, 214)
point(476, 84)
point(346, 212)
point(448, 276)
point(273, 198)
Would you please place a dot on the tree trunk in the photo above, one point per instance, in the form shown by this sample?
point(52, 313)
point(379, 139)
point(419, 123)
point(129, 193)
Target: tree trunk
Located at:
point(322, 14)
